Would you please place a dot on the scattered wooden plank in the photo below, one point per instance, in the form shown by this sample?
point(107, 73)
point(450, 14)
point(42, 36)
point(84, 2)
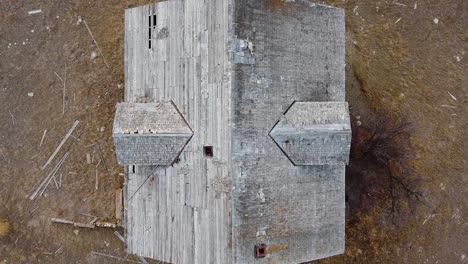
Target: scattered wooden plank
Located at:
point(69, 222)
point(47, 178)
point(56, 74)
point(58, 250)
point(33, 12)
point(96, 187)
point(62, 221)
point(61, 144)
point(102, 157)
point(119, 205)
point(88, 158)
point(56, 183)
point(95, 42)
point(119, 236)
point(106, 224)
point(53, 175)
point(64, 89)
point(143, 260)
point(89, 215)
point(12, 117)
point(97, 176)
point(114, 257)
point(451, 95)
point(43, 137)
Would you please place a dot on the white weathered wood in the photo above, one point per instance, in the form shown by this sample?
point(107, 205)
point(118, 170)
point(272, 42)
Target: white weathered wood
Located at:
point(61, 144)
point(52, 173)
point(64, 89)
point(95, 42)
point(43, 137)
point(189, 67)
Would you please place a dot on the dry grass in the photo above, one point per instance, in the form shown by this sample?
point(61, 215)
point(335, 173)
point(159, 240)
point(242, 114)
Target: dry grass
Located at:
point(4, 228)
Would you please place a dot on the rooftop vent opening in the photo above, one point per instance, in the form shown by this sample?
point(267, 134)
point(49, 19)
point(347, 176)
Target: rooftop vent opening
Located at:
point(208, 151)
point(260, 251)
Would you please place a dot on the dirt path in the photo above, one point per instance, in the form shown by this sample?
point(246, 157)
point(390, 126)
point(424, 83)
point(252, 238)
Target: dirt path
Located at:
point(406, 57)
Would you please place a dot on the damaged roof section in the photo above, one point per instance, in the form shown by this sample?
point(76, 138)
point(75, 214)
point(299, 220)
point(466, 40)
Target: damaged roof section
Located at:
point(149, 133)
point(315, 133)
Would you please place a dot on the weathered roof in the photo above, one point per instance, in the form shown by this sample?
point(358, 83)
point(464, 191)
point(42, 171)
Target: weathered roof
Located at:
point(233, 69)
point(149, 133)
point(150, 118)
point(315, 133)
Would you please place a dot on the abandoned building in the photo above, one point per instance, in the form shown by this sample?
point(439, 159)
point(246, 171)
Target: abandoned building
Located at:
point(234, 132)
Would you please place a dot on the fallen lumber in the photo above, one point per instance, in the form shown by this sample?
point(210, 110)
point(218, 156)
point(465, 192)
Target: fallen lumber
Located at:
point(32, 12)
point(61, 144)
point(68, 222)
point(43, 137)
point(105, 224)
point(119, 236)
point(52, 173)
point(55, 172)
point(95, 42)
point(114, 257)
point(64, 90)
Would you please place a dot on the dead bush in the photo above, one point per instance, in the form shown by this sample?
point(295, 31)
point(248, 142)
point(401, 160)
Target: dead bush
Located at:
point(380, 173)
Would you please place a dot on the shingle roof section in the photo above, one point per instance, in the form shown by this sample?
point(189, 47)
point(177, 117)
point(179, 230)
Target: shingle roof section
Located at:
point(149, 133)
point(150, 118)
point(315, 133)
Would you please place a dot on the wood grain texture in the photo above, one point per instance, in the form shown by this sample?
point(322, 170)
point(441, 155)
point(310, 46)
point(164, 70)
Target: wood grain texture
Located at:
point(232, 71)
point(181, 214)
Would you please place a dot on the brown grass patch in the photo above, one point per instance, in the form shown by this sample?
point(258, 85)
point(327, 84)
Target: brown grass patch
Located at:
point(4, 228)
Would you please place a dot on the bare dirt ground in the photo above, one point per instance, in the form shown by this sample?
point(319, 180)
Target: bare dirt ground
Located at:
point(404, 58)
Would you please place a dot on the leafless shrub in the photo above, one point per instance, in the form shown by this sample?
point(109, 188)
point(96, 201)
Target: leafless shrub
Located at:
point(380, 167)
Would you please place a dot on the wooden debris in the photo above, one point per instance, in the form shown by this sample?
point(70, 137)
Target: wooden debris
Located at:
point(97, 180)
point(33, 12)
point(451, 95)
point(68, 222)
point(53, 175)
point(114, 257)
point(4, 157)
point(60, 180)
point(64, 88)
point(119, 205)
point(102, 157)
point(398, 20)
point(58, 77)
point(43, 137)
point(95, 42)
point(89, 215)
point(56, 183)
point(61, 144)
point(12, 117)
point(57, 167)
point(449, 106)
point(62, 221)
point(106, 224)
point(143, 260)
point(119, 236)
point(58, 250)
point(88, 158)
point(97, 176)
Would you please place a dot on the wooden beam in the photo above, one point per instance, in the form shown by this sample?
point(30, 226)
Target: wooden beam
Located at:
point(61, 144)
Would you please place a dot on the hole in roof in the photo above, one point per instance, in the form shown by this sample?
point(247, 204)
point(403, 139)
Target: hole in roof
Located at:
point(208, 151)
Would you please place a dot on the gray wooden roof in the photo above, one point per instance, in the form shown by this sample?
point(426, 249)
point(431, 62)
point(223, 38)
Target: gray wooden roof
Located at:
point(232, 69)
point(150, 118)
point(315, 133)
